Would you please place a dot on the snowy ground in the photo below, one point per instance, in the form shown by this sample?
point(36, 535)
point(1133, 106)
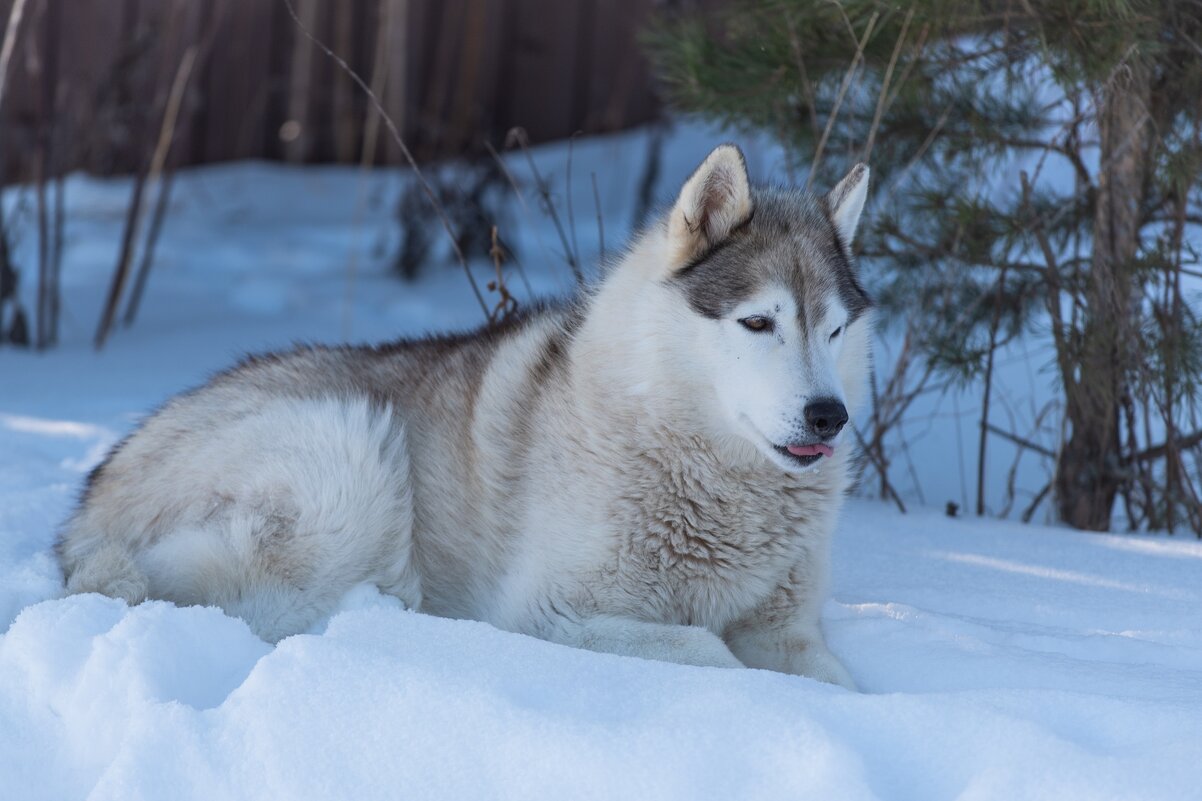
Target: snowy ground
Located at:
point(998, 661)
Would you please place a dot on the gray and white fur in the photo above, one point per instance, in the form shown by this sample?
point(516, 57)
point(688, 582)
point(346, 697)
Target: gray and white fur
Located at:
point(654, 470)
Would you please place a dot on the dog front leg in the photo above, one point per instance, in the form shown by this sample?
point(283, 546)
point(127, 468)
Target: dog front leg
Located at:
point(798, 649)
point(685, 645)
point(783, 634)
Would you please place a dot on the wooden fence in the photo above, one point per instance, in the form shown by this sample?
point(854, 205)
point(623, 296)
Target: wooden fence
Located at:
point(90, 79)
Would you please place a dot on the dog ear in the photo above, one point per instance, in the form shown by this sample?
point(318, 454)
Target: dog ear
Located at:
point(846, 201)
point(713, 202)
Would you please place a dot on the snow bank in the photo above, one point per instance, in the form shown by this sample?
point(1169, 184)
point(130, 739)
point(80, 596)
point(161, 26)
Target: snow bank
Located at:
point(996, 662)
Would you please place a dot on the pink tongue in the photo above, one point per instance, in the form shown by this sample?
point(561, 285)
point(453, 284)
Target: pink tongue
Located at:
point(811, 450)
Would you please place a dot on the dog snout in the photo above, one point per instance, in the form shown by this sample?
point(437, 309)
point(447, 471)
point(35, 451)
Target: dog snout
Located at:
point(826, 416)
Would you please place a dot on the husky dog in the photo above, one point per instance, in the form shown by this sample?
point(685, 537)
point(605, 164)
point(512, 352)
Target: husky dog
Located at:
point(653, 470)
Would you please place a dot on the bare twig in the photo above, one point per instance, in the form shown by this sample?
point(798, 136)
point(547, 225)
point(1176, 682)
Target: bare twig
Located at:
point(521, 273)
point(47, 322)
point(408, 155)
point(518, 136)
point(1019, 441)
point(1012, 474)
point(158, 216)
point(917, 157)
point(121, 274)
point(507, 303)
point(129, 234)
point(371, 133)
point(843, 87)
point(988, 391)
point(1158, 451)
point(15, 14)
point(600, 222)
point(888, 408)
point(57, 239)
point(571, 215)
point(43, 330)
point(299, 76)
point(157, 162)
point(1029, 512)
point(886, 487)
point(880, 101)
point(517, 191)
point(917, 52)
point(1052, 272)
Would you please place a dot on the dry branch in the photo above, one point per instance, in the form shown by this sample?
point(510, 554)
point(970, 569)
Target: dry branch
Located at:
point(507, 304)
point(880, 101)
point(15, 14)
point(843, 87)
point(600, 222)
point(1021, 442)
point(883, 470)
point(571, 215)
point(157, 162)
point(994, 323)
point(367, 154)
point(1158, 451)
point(518, 136)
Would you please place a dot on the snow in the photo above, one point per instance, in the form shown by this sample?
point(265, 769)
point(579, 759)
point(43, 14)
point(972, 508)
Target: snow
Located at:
point(997, 661)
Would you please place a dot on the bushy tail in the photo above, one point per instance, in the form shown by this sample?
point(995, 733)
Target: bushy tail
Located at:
point(109, 570)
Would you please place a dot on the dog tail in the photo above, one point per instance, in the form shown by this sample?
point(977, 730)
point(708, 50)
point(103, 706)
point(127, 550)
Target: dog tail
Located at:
point(109, 570)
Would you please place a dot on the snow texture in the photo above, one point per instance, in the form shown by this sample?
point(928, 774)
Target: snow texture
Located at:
point(998, 661)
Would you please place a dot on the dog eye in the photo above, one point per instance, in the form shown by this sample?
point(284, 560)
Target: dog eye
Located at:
point(758, 324)
point(837, 332)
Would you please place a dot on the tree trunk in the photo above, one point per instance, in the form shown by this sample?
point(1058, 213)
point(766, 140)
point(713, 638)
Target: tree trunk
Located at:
point(1090, 474)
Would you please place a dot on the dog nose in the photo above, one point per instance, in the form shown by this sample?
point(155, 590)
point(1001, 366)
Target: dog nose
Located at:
point(826, 416)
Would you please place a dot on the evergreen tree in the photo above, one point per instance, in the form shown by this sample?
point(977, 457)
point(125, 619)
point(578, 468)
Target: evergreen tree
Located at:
point(939, 97)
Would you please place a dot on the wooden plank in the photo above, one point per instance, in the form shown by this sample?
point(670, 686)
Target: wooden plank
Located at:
point(90, 43)
point(295, 136)
point(19, 113)
point(543, 68)
point(457, 71)
point(622, 93)
point(403, 19)
point(342, 108)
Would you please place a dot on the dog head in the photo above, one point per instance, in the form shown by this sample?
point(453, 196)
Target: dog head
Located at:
point(778, 320)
